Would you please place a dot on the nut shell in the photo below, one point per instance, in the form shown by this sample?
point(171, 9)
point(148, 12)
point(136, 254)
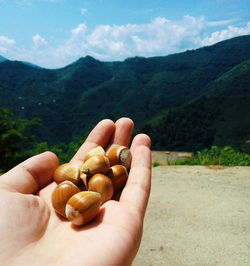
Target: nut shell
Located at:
point(83, 207)
point(118, 175)
point(96, 151)
point(102, 184)
point(119, 155)
point(67, 171)
point(96, 164)
point(61, 194)
point(84, 179)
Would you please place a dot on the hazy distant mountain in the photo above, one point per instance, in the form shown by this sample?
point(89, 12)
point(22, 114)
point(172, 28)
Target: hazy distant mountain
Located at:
point(30, 64)
point(2, 59)
point(72, 99)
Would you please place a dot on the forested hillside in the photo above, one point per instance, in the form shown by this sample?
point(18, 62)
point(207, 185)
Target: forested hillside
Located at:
point(220, 117)
point(185, 101)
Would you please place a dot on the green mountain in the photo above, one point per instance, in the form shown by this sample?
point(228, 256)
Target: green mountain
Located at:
point(207, 86)
point(220, 117)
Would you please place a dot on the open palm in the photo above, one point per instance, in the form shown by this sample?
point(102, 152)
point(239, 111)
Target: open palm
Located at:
point(31, 233)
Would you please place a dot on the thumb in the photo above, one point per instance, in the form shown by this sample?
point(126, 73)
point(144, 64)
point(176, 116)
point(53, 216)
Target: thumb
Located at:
point(31, 175)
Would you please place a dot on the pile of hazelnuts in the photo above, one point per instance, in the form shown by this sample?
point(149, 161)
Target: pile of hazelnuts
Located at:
point(80, 192)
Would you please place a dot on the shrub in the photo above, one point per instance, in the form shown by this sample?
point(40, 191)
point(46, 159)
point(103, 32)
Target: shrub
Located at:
point(156, 163)
point(217, 156)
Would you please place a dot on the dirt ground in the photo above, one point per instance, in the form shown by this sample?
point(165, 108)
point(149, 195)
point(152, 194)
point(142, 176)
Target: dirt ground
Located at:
point(197, 216)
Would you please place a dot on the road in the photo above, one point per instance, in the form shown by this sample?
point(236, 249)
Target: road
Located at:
point(197, 216)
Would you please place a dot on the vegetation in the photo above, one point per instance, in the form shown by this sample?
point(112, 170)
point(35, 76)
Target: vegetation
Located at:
point(188, 101)
point(77, 96)
point(202, 123)
point(13, 138)
point(16, 144)
point(220, 117)
point(226, 156)
point(64, 151)
point(155, 164)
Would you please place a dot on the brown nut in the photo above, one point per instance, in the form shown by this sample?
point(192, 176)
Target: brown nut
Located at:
point(61, 194)
point(83, 207)
point(118, 175)
point(96, 151)
point(96, 164)
point(119, 155)
point(67, 171)
point(102, 184)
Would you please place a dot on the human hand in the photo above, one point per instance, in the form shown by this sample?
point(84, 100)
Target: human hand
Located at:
point(31, 233)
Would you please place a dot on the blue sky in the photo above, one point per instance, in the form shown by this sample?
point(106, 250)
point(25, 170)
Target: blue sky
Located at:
point(54, 33)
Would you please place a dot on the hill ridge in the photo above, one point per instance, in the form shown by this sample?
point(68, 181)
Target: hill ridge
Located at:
point(77, 96)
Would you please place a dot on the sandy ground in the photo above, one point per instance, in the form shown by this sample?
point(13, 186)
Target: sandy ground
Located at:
point(197, 216)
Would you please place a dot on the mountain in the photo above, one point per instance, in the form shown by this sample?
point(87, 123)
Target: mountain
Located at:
point(30, 64)
point(71, 100)
point(2, 59)
point(220, 117)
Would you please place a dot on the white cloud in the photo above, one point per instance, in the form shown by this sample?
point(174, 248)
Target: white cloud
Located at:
point(38, 40)
point(116, 42)
point(160, 36)
point(228, 33)
point(220, 22)
point(74, 47)
point(5, 44)
point(79, 30)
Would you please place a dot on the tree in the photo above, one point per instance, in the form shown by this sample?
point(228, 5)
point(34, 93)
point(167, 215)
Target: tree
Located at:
point(14, 138)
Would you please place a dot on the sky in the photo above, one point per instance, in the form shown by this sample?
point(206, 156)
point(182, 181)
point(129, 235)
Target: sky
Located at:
point(55, 33)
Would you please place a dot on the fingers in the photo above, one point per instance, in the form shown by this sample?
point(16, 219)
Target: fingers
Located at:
point(137, 190)
point(105, 134)
point(31, 175)
point(140, 140)
point(123, 131)
point(100, 135)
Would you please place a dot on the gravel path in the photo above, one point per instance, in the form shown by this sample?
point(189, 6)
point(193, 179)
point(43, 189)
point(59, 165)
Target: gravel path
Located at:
point(197, 216)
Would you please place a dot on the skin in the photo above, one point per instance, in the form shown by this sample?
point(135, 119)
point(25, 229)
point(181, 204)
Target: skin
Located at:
point(31, 233)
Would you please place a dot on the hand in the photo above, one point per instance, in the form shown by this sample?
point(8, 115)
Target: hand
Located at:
point(32, 234)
